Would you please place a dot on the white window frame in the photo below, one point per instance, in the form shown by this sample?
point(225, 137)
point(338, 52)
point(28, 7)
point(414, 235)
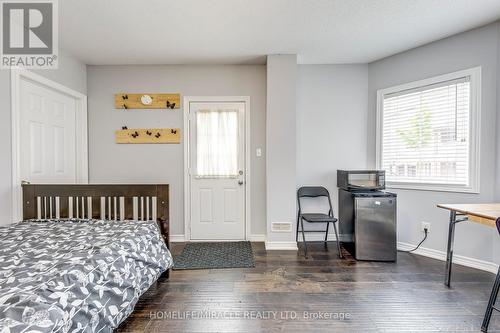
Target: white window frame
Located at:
point(474, 130)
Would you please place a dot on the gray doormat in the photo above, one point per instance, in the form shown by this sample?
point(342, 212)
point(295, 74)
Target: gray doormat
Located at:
point(215, 255)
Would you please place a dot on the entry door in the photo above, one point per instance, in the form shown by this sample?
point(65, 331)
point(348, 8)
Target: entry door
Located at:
point(47, 134)
point(217, 160)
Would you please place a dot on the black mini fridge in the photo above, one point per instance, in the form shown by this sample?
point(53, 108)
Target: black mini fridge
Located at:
point(367, 215)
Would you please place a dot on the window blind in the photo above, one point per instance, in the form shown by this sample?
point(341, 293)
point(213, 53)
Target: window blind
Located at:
point(426, 133)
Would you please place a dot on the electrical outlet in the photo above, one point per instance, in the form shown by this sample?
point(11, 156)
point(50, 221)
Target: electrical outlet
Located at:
point(426, 225)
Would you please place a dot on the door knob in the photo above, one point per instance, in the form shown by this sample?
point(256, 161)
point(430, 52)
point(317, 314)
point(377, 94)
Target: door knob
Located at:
point(240, 182)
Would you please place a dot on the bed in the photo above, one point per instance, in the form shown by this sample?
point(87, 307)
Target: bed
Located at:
point(82, 256)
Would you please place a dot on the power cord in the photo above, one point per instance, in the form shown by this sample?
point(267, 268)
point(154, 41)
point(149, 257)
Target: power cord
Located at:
point(425, 237)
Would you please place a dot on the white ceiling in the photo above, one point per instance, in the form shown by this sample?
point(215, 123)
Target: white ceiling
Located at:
point(244, 31)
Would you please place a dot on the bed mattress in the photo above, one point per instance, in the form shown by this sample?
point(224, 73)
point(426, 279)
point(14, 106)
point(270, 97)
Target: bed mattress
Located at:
point(76, 276)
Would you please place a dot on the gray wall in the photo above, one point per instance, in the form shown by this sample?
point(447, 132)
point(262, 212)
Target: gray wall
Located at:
point(496, 139)
point(112, 163)
point(474, 48)
point(331, 124)
point(331, 105)
point(71, 73)
point(281, 144)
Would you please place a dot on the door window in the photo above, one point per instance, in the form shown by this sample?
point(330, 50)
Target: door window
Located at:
point(217, 143)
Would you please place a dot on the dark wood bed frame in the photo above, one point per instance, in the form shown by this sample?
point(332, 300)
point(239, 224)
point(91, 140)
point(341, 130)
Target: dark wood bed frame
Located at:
point(109, 202)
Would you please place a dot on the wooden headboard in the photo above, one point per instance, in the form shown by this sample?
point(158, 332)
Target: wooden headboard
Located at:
point(106, 202)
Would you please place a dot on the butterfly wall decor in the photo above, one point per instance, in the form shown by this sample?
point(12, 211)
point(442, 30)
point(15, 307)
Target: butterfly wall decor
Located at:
point(135, 101)
point(170, 105)
point(147, 135)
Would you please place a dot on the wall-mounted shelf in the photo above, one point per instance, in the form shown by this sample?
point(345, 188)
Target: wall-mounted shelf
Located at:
point(158, 101)
point(148, 135)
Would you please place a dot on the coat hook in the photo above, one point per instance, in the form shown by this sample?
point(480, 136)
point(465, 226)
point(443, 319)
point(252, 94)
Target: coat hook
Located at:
point(148, 133)
point(158, 135)
point(125, 106)
point(124, 127)
point(135, 134)
point(125, 97)
point(173, 131)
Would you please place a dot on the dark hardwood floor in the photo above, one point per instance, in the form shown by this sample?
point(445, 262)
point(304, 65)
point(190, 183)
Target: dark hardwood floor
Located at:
point(407, 296)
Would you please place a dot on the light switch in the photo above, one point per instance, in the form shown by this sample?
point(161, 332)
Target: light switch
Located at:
point(258, 152)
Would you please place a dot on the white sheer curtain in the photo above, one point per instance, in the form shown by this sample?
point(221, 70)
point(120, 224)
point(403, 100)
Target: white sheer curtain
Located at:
point(217, 143)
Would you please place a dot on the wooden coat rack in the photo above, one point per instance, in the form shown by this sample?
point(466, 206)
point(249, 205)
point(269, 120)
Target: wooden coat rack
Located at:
point(148, 135)
point(158, 101)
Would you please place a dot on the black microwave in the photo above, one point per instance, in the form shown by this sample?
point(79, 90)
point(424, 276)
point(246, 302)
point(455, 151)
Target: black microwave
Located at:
point(368, 180)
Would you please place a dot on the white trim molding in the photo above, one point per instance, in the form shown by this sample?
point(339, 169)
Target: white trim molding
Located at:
point(186, 135)
point(16, 75)
point(281, 246)
point(182, 238)
point(457, 259)
point(318, 236)
point(177, 238)
point(474, 130)
point(257, 238)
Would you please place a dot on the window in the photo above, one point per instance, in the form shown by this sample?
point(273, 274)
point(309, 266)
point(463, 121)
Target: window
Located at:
point(427, 133)
point(217, 143)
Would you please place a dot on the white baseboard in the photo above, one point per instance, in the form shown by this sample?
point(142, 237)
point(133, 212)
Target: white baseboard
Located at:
point(252, 238)
point(457, 259)
point(177, 238)
point(289, 246)
point(257, 238)
point(318, 237)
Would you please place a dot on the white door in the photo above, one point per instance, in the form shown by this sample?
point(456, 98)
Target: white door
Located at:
point(47, 134)
point(217, 165)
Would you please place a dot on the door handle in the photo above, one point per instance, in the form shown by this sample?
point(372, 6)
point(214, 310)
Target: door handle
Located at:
point(240, 182)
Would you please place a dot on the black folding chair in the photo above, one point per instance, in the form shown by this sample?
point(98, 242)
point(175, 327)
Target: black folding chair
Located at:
point(316, 218)
point(493, 297)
